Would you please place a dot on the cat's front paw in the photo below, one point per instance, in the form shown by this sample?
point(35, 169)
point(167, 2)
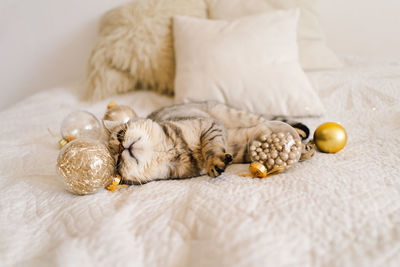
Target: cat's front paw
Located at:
point(217, 164)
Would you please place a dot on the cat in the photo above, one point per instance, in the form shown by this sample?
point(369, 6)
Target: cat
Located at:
point(186, 140)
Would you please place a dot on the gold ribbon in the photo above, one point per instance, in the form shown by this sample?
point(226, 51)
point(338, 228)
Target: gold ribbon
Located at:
point(258, 170)
point(115, 184)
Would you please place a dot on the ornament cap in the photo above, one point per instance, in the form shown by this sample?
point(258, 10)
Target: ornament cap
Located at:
point(111, 104)
point(62, 142)
point(258, 170)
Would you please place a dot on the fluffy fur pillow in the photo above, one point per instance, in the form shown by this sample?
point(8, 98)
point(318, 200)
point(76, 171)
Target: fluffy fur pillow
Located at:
point(135, 48)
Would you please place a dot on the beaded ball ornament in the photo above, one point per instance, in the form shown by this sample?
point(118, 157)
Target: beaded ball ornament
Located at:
point(280, 148)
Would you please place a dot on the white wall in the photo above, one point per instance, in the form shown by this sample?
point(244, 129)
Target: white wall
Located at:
point(362, 27)
point(46, 43)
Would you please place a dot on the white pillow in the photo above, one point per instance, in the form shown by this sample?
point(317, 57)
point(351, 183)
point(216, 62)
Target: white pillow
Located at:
point(313, 52)
point(249, 63)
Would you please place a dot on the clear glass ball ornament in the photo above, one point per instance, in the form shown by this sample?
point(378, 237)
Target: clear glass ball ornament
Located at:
point(80, 124)
point(119, 113)
point(279, 146)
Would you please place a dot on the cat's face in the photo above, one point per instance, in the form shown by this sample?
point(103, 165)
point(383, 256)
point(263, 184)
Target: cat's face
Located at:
point(139, 148)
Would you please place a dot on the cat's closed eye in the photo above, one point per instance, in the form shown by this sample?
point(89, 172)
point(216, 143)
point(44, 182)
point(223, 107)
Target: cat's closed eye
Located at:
point(120, 136)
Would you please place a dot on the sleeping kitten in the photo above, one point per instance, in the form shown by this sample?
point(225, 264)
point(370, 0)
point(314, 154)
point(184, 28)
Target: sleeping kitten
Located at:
point(187, 140)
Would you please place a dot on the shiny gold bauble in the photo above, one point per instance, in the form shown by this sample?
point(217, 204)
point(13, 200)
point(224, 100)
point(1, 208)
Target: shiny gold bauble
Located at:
point(330, 137)
point(85, 166)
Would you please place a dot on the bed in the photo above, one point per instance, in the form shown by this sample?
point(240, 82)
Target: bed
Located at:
point(335, 210)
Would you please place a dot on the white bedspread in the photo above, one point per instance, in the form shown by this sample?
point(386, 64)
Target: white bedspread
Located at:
point(336, 210)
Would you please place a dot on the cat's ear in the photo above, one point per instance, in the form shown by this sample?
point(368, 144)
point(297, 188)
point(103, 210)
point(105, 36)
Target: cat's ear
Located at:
point(110, 125)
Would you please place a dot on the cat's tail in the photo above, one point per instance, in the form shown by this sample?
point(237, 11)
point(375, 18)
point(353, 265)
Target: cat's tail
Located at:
point(241, 124)
point(236, 118)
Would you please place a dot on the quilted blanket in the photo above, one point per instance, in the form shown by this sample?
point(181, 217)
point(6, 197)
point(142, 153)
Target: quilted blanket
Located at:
point(335, 210)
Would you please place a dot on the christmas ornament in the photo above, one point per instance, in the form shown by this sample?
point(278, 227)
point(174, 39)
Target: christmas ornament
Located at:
point(119, 113)
point(85, 166)
point(330, 137)
point(79, 124)
point(280, 148)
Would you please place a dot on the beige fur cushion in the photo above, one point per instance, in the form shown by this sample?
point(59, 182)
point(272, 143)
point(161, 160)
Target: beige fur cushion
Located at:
point(135, 48)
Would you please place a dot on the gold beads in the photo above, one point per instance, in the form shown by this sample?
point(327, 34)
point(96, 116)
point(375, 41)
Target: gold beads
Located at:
point(330, 137)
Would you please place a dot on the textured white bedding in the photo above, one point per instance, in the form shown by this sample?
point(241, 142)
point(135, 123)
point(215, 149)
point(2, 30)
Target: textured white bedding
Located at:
point(335, 210)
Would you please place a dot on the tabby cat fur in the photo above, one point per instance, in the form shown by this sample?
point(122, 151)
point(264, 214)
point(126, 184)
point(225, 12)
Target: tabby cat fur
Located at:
point(186, 140)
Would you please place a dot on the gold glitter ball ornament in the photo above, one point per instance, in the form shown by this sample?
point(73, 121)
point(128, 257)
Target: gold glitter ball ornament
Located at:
point(85, 166)
point(330, 137)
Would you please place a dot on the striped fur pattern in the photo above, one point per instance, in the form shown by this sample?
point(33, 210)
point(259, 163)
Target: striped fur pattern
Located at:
point(183, 141)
